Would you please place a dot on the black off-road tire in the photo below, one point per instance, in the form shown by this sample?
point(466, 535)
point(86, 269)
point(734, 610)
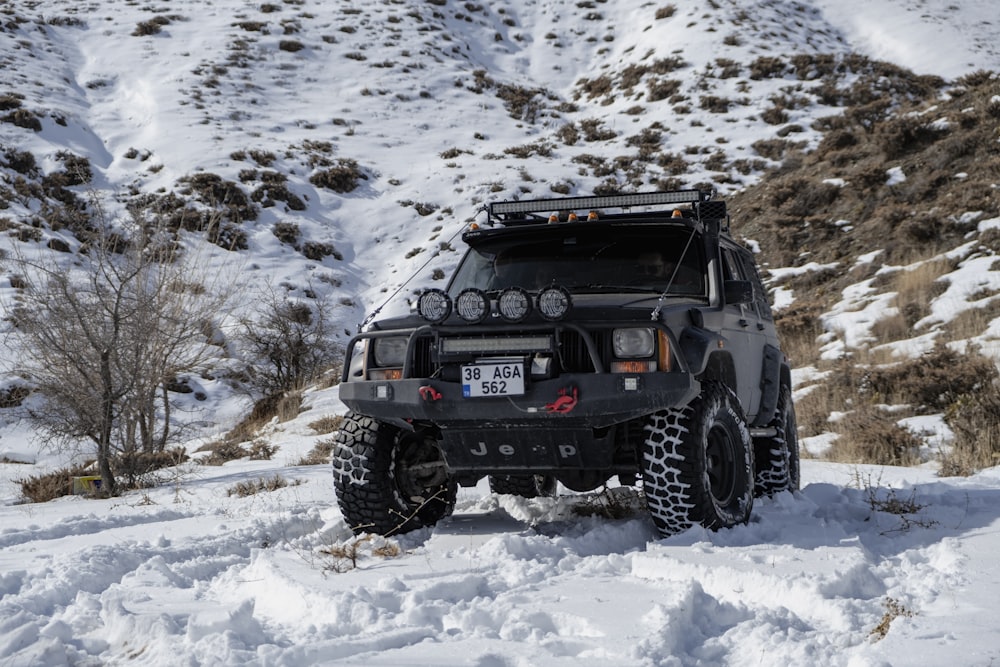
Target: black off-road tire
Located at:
point(777, 456)
point(526, 486)
point(389, 481)
point(697, 463)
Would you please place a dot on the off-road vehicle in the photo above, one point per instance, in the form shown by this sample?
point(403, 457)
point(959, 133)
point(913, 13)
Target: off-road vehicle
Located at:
point(579, 339)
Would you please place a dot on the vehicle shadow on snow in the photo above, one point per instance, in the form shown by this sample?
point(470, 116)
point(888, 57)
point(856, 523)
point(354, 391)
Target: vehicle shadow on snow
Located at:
point(884, 520)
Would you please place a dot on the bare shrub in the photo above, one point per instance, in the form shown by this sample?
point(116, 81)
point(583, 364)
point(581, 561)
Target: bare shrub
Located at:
point(10, 101)
point(768, 67)
point(932, 381)
point(102, 339)
point(342, 177)
point(871, 436)
point(49, 486)
point(661, 89)
point(320, 454)
point(327, 424)
point(23, 162)
point(77, 168)
point(261, 450)
point(316, 251)
point(893, 609)
point(150, 27)
point(134, 468)
point(798, 329)
point(226, 196)
point(286, 232)
point(23, 118)
point(592, 88)
point(593, 130)
point(261, 484)
point(974, 419)
point(223, 452)
point(292, 342)
point(345, 557)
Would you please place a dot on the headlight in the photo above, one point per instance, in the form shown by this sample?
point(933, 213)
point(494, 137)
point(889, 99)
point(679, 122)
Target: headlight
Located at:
point(514, 304)
point(390, 351)
point(553, 303)
point(434, 306)
point(472, 305)
point(633, 343)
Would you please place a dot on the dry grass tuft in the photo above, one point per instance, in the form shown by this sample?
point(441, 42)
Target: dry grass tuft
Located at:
point(261, 484)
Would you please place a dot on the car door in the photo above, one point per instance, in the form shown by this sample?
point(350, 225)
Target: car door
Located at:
point(744, 330)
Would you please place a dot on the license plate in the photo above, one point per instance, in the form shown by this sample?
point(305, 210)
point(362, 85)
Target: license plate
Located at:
point(502, 378)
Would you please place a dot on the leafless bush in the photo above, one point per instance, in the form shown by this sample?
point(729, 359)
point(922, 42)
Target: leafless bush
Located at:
point(342, 177)
point(101, 340)
point(292, 342)
point(49, 486)
point(226, 196)
point(320, 453)
point(150, 27)
point(261, 484)
point(974, 419)
point(871, 436)
point(345, 557)
point(932, 381)
point(23, 118)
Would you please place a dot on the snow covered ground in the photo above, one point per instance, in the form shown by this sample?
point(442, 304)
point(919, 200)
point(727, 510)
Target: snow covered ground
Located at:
point(837, 574)
point(863, 567)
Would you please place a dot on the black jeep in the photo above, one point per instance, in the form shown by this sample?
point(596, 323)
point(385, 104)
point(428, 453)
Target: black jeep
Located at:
point(574, 344)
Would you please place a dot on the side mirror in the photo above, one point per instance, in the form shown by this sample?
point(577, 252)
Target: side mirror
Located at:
point(738, 291)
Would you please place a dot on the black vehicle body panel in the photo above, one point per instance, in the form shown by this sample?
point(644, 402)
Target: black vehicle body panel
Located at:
point(575, 413)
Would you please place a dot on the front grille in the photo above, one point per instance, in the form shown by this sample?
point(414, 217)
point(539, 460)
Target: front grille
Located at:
point(573, 354)
point(423, 363)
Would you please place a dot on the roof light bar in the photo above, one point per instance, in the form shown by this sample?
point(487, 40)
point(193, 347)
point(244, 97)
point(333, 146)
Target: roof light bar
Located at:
point(609, 201)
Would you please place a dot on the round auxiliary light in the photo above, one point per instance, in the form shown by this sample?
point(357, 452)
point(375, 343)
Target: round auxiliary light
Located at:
point(472, 305)
point(554, 302)
point(434, 306)
point(514, 304)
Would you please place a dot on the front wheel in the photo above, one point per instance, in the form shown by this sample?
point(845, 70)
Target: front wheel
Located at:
point(389, 481)
point(698, 463)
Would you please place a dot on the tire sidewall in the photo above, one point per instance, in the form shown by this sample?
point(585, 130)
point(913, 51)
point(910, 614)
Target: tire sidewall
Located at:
point(719, 409)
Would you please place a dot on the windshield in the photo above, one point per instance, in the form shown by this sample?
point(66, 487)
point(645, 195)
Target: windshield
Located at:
point(628, 263)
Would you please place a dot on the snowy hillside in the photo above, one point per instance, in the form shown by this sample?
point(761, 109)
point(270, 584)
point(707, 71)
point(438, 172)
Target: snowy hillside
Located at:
point(376, 131)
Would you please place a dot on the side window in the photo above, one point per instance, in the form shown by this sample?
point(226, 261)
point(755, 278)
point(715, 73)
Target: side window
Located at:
point(730, 266)
point(759, 293)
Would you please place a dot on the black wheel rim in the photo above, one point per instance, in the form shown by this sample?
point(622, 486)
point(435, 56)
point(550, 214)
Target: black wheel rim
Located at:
point(720, 465)
point(413, 478)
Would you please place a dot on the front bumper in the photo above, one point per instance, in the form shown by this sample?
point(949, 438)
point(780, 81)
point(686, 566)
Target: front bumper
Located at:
point(561, 423)
point(595, 399)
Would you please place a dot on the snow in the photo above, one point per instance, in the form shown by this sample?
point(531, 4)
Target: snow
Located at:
point(187, 573)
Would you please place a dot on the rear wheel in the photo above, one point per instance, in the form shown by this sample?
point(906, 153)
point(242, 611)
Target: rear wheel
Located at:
point(526, 486)
point(387, 480)
point(777, 456)
point(698, 463)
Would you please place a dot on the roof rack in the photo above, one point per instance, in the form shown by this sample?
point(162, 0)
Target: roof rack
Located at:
point(507, 210)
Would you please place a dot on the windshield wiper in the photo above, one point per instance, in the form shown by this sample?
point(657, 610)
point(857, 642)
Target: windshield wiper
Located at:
point(610, 289)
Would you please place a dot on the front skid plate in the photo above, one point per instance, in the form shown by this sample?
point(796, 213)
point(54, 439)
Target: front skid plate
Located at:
point(503, 449)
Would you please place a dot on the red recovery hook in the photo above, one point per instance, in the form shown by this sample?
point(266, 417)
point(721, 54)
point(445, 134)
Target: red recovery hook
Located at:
point(568, 398)
point(429, 393)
